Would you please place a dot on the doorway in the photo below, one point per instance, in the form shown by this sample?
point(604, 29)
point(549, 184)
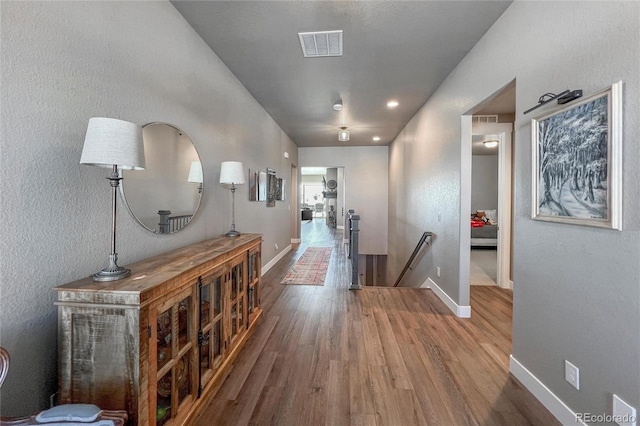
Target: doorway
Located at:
point(493, 240)
point(490, 123)
point(322, 195)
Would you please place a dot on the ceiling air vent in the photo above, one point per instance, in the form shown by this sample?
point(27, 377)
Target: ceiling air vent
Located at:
point(484, 119)
point(321, 43)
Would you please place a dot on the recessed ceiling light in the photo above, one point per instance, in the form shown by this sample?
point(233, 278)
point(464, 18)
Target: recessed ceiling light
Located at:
point(392, 104)
point(491, 144)
point(376, 138)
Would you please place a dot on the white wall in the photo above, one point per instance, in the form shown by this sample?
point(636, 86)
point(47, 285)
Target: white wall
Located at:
point(484, 182)
point(366, 187)
point(576, 288)
point(62, 63)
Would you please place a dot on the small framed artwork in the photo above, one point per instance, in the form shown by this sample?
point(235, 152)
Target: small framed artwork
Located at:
point(577, 162)
point(281, 189)
point(272, 186)
point(253, 186)
point(262, 186)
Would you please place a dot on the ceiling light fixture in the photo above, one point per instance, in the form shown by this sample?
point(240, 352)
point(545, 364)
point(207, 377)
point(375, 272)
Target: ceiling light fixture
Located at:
point(338, 105)
point(491, 143)
point(392, 104)
point(376, 138)
point(343, 134)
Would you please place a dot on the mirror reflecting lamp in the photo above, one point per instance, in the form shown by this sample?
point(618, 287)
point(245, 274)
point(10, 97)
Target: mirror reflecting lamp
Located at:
point(195, 174)
point(232, 173)
point(114, 144)
point(161, 198)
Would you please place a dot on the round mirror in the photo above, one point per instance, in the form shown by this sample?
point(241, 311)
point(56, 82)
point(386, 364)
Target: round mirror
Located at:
point(166, 195)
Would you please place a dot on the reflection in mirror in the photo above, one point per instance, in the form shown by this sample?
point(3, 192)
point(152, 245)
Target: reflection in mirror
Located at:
point(166, 195)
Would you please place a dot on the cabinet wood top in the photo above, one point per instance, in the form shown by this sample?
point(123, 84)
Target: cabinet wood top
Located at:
point(165, 268)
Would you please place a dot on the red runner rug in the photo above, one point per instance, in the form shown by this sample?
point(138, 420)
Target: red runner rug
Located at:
point(311, 267)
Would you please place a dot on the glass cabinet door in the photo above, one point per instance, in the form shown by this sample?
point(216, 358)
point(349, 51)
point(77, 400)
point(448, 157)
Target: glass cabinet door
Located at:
point(238, 294)
point(253, 292)
point(211, 335)
point(175, 349)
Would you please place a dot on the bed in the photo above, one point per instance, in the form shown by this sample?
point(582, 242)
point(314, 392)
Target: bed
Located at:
point(484, 229)
point(484, 236)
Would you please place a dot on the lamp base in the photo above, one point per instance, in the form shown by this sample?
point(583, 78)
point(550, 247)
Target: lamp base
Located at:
point(232, 233)
point(113, 272)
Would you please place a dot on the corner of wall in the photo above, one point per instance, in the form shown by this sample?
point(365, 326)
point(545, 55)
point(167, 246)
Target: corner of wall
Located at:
point(461, 311)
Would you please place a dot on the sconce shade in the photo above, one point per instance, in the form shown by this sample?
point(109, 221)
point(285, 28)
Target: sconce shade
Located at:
point(195, 172)
point(110, 142)
point(232, 172)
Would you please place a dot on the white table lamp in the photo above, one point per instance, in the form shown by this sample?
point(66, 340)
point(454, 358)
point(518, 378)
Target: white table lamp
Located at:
point(113, 144)
point(232, 173)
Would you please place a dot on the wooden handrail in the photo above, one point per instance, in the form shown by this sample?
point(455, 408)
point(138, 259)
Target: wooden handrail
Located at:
point(423, 239)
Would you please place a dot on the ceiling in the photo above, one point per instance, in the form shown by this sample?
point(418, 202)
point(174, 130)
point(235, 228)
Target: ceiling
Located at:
point(400, 50)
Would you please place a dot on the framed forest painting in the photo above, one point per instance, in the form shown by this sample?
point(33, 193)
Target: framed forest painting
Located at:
point(577, 162)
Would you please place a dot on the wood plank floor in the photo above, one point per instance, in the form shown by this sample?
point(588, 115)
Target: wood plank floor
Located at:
point(324, 355)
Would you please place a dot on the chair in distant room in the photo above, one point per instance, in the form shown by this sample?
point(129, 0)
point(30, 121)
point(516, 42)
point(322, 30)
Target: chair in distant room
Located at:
point(320, 209)
point(62, 414)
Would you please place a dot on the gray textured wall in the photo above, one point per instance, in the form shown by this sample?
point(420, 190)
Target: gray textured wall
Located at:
point(62, 63)
point(484, 182)
point(577, 289)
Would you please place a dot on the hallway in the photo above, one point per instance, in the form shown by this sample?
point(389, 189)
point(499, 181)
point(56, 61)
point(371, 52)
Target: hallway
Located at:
point(379, 356)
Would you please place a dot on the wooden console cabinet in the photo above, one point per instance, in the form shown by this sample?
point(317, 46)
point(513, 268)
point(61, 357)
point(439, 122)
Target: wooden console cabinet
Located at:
point(159, 343)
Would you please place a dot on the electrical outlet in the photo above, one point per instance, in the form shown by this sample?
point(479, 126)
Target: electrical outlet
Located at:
point(572, 374)
point(438, 271)
point(623, 413)
point(276, 245)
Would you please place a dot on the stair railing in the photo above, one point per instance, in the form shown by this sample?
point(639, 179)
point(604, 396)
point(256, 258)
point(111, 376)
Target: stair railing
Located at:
point(354, 230)
point(425, 236)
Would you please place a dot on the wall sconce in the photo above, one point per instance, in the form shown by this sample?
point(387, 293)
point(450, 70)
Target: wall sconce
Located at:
point(232, 173)
point(562, 97)
point(343, 134)
point(195, 175)
point(114, 144)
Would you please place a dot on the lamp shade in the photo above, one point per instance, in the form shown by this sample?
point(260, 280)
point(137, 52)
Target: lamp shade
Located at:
point(110, 142)
point(232, 172)
point(195, 172)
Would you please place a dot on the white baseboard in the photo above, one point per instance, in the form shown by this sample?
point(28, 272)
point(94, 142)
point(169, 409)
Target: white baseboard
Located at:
point(275, 260)
point(296, 240)
point(511, 284)
point(554, 404)
point(460, 311)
